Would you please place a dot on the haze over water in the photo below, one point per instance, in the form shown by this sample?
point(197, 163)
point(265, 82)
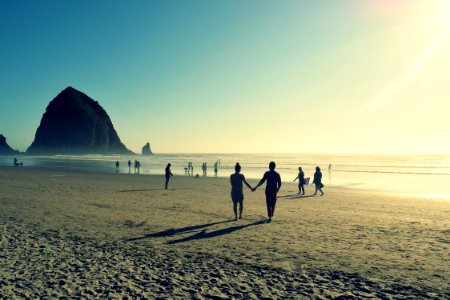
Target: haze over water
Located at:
point(415, 175)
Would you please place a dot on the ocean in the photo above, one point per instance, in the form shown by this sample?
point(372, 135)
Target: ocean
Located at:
point(417, 175)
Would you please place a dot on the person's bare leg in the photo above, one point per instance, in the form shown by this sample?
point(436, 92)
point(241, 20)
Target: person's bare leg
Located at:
point(235, 211)
point(241, 209)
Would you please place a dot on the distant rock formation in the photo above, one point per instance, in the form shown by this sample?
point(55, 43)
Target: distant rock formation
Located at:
point(5, 149)
point(146, 150)
point(75, 124)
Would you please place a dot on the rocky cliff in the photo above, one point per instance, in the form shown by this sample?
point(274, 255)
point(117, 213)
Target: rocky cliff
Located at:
point(73, 123)
point(146, 150)
point(5, 149)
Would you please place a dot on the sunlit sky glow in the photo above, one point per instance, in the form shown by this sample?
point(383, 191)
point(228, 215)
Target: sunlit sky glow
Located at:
point(236, 76)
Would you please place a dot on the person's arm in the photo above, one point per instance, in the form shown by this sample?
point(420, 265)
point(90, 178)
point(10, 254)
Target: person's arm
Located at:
point(246, 183)
point(279, 183)
point(260, 182)
point(231, 181)
point(296, 178)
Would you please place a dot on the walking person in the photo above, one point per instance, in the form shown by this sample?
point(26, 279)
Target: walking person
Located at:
point(318, 181)
point(237, 193)
point(129, 166)
point(168, 174)
point(216, 168)
point(135, 166)
point(117, 166)
point(272, 187)
point(204, 168)
point(301, 181)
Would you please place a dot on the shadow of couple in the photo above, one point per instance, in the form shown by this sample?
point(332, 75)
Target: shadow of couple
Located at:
point(203, 234)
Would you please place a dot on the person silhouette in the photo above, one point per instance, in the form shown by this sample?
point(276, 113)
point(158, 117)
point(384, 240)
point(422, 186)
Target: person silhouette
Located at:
point(117, 166)
point(216, 168)
point(15, 162)
point(168, 175)
point(301, 181)
point(237, 194)
point(135, 166)
point(129, 166)
point(318, 181)
point(272, 187)
point(205, 168)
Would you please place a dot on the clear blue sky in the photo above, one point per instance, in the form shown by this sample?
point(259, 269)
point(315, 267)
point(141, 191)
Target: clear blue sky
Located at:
point(234, 76)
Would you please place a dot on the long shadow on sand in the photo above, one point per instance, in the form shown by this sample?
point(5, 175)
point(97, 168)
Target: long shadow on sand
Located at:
point(296, 196)
point(207, 235)
point(145, 190)
point(172, 231)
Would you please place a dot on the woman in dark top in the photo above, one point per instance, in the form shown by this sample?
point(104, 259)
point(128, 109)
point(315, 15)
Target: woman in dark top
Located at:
point(301, 181)
point(318, 181)
point(237, 194)
point(168, 174)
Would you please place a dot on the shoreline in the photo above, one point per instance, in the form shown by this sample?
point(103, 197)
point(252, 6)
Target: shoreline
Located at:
point(345, 243)
point(374, 191)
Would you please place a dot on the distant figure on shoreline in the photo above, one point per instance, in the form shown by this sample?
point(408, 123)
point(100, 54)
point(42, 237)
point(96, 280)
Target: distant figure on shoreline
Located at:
point(117, 166)
point(272, 187)
point(186, 171)
point(190, 168)
point(138, 167)
point(129, 166)
point(204, 168)
point(301, 181)
point(135, 166)
point(216, 168)
point(237, 193)
point(168, 175)
point(318, 181)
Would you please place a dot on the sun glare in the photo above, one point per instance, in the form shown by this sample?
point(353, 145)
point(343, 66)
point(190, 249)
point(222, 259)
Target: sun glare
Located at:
point(441, 30)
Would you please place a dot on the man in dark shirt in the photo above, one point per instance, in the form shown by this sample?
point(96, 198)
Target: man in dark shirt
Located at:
point(272, 187)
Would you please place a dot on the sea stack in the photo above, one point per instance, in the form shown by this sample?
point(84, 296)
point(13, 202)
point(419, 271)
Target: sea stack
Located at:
point(146, 150)
point(73, 123)
point(5, 149)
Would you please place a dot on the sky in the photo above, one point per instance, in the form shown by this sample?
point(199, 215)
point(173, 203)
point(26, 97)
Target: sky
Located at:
point(254, 76)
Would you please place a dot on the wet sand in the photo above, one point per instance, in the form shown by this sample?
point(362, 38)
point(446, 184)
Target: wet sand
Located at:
point(112, 235)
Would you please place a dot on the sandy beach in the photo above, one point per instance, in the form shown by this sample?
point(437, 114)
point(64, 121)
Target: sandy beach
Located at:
point(94, 235)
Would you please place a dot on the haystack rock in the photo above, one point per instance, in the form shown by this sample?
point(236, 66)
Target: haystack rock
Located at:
point(73, 123)
point(146, 150)
point(5, 149)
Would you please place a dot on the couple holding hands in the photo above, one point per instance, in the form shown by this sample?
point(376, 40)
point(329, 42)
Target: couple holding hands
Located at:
point(272, 187)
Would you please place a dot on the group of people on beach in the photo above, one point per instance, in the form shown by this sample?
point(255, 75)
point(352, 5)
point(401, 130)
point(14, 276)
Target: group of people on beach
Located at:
point(237, 180)
point(137, 166)
point(189, 170)
point(302, 181)
point(273, 185)
point(17, 163)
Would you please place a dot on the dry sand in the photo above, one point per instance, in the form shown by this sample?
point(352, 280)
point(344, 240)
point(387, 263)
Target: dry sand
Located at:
point(113, 235)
